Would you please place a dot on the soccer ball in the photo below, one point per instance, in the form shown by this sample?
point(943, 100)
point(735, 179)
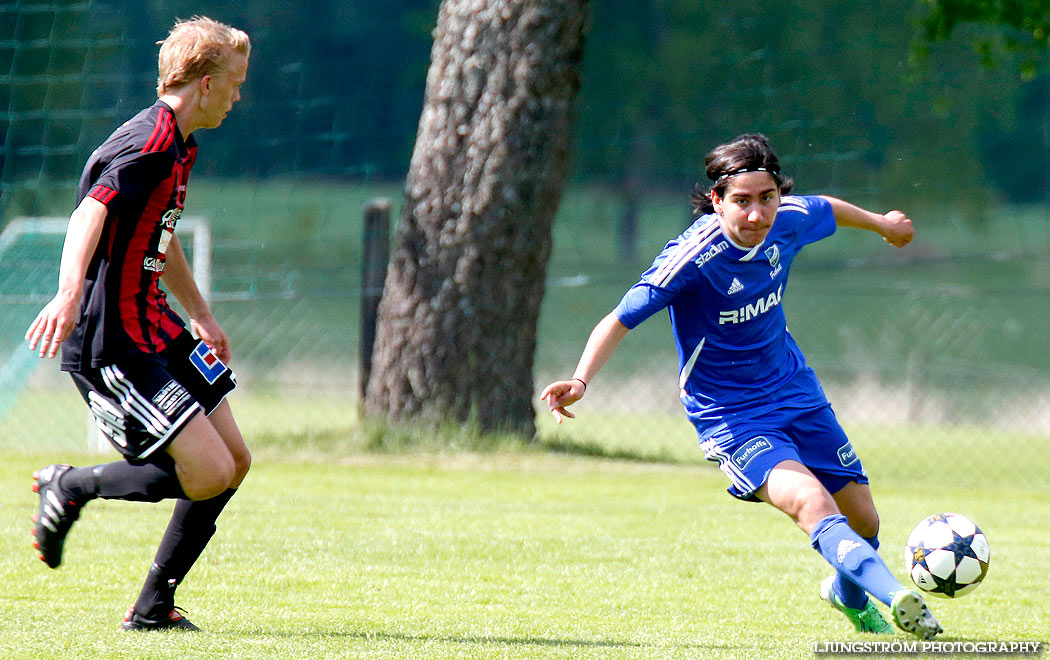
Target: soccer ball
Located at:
point(947, 555)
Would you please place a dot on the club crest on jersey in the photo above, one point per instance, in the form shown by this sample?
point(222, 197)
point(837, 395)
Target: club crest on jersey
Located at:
point(752, 310)
point(171, 218)
point(206, 362)
point(773, 254)
point(169, 221)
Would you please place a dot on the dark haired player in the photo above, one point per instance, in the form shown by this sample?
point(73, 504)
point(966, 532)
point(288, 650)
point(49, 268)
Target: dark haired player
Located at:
point(759, 411)
point(146, 379)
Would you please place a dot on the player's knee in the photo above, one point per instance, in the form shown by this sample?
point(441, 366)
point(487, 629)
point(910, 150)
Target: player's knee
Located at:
point(225, 472)
point(866, 525)
point(813, 505)
point(242, 462)
point(212, 481)
point(206, 489)
point(200, 490)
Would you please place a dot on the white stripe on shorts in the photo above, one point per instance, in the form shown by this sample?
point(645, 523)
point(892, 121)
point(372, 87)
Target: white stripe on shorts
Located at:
point(143, 410)
point(131, 401)
point(175, 427)
point(726, 465)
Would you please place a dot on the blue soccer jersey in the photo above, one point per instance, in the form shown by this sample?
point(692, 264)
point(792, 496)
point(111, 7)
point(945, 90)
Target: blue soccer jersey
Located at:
point(735, 353)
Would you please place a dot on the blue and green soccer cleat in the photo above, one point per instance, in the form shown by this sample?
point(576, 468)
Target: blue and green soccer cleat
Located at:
point(911, 614)
point(867, 619)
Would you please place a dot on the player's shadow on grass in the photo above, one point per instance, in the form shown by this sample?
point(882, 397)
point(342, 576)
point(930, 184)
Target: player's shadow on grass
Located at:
point(479, 639)
point(594, 450)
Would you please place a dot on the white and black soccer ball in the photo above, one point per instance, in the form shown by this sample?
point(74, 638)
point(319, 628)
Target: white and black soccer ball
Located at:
point(947, 555)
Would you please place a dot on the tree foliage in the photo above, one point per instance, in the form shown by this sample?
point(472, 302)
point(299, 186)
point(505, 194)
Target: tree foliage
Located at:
point(1029, 17)
point(336, 89)
point(1024, 26)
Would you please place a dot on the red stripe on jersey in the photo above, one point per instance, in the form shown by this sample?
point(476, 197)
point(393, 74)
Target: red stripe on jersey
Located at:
point(156, 131)
point(163, 133)
point(102, 194)
point(138, 286)
point(170, 134)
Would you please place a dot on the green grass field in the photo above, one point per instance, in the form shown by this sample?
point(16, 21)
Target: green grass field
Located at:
point(609, 537)
point(504, 554)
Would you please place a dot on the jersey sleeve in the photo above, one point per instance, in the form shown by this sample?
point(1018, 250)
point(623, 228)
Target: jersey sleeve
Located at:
point(130, 178)
point(669, 275)
point(818, 220)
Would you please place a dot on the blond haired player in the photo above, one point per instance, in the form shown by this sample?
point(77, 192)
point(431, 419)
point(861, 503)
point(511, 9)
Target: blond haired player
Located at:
point(157, 392)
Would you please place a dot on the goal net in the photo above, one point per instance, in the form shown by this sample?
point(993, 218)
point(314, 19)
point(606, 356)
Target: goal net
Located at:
point(37, 403)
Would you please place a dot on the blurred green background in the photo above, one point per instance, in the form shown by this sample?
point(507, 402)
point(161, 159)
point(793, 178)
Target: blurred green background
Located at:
point(937, 354)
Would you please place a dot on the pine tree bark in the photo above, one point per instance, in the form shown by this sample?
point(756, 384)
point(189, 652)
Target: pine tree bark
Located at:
point(456, 333)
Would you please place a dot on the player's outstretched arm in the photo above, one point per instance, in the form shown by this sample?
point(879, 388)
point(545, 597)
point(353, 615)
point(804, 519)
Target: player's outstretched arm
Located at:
point(54, 323)
point(894, 227)
point(179, 279)
point(600, 346)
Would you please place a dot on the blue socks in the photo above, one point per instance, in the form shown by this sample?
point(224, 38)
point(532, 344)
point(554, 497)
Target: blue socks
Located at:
point(855, 560)
point(848, 592)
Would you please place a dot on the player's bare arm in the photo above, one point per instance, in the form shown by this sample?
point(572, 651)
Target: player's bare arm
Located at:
point(54, 323)
point(179, 279)
point(602, 343)
point(894, 227)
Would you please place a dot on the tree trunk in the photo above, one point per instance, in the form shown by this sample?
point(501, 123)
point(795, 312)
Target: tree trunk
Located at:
point(457, 324)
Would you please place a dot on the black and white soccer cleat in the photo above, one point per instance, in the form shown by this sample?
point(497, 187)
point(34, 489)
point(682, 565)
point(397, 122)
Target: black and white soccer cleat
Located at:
point(173, 620)
point(56, 514)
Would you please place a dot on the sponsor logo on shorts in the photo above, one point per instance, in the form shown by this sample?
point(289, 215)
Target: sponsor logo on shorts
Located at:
point(206, 362)
point(109, 419)
point(741, 457)
point(847, 456)
point(171, 398)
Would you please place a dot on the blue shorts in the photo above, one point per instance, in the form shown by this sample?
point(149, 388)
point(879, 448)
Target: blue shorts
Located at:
point(746, 449)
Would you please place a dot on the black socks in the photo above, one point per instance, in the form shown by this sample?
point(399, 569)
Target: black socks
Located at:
point(120, 480)
point(191, 526)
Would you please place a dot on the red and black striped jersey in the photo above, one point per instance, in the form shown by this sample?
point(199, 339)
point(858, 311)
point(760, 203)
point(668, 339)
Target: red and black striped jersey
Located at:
point(140, 174)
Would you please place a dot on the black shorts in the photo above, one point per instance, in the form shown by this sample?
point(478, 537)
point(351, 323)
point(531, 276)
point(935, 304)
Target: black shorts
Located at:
point(140, 404)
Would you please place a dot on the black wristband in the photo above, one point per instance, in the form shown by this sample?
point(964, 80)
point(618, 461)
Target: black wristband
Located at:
point(582, 381)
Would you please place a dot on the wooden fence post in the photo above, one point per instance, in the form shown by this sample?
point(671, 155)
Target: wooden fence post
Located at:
point(375, 255)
